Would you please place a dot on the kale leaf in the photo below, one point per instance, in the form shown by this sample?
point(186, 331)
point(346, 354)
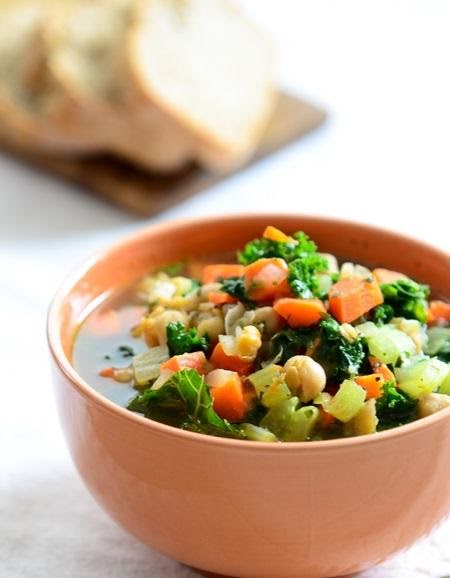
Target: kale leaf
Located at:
point(383, 314)
point(303, 278)
point(181, 340)
point(300, 246)
point(289, 342)
point(234, 286)
point(339, 357)
point(394, 407)
point(407, 298)
point(184, 400)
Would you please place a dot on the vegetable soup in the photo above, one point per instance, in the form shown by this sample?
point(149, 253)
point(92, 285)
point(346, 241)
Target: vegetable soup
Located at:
point(285, 344)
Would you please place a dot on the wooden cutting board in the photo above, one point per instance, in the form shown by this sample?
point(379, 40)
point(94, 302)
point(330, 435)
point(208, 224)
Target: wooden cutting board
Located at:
point(146, 194)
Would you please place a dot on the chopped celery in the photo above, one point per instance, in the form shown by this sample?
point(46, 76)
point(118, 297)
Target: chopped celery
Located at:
point(263, 379)
point(258, 434)
point(277, 392)
point(277, 419)
point(445, 385)
point(301, 424)
point(439, 342)
point(423, 375)
point(288, 423)
point(146, 365)
point(386, 343)
point(367, 329)
point(347, 402)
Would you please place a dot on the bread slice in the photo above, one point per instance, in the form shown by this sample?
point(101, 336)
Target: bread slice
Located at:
point(209, 69)
point(27, 94)
point(85, 46)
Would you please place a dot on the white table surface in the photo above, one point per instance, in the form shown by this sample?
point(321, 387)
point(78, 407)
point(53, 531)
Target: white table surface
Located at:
point(380, 68)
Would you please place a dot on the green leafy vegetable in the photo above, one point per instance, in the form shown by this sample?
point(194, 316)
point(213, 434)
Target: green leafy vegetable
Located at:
point(407, 298)
point(394, 407)
point(266, 248)
point(234, 286)
point(383, 314)
point(186, 400)
point(181, 340)
point(339, 357)
point(302, 276)
point(290, 342)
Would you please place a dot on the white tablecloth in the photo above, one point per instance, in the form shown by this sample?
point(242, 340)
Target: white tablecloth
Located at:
point(380, 68)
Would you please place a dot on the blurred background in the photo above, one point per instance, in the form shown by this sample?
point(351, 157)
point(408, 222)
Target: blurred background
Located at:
point(379, 70)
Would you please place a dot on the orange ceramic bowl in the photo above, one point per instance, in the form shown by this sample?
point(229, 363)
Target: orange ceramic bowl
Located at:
point(248, 509)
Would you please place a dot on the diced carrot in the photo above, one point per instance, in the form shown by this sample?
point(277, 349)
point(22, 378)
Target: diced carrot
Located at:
point(221, 298)
point(195, 360)
point(274, 234)
point(232, 362)
point(107, 372)
point(284, 290)
point(227, 392)
point(300, 312)
point(326, 419)
point(350, 298)
point(387, 276)
point(382, 369)
point(438, 311)
point(264, 278)
point(373, 384)
point(213, 273)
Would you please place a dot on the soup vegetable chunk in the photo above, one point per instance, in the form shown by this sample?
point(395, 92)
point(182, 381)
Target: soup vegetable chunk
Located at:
point(287, 345)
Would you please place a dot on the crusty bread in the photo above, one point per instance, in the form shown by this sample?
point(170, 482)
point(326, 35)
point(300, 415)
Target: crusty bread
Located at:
point(27, 94)
point(160, 83)
point(209, 69)
point(85, 47)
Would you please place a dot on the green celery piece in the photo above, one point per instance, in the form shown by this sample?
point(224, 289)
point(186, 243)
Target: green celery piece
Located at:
point(347, 402)
point(146, 365)
point(258, 434)
point(386, 343)
point(277, 419)
point(445, 385)
point(301, 424)
point(263, 379)
point(277, 392)
point(424, 375)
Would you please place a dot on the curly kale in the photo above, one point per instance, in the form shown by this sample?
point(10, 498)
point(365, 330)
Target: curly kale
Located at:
point(339, 357)
point(299, 247)
point(383, 314)
point(184, 401)
point(407, 298)
point(181, 340)
point(394, 407)
point(303, 278)
point(325, 343)
point(234, 286)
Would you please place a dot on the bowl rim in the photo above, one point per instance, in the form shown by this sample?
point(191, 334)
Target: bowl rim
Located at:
point(88, 392)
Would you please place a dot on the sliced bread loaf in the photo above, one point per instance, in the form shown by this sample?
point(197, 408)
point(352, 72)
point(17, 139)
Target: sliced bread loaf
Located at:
point(27, 94)
point(85, 45)
point(209, 69)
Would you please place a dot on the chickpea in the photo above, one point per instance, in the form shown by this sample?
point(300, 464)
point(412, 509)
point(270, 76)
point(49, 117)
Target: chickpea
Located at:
point(248, 343)
point(305, 377)
point(213, 327)
point(366, 421)
point(430, 403)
